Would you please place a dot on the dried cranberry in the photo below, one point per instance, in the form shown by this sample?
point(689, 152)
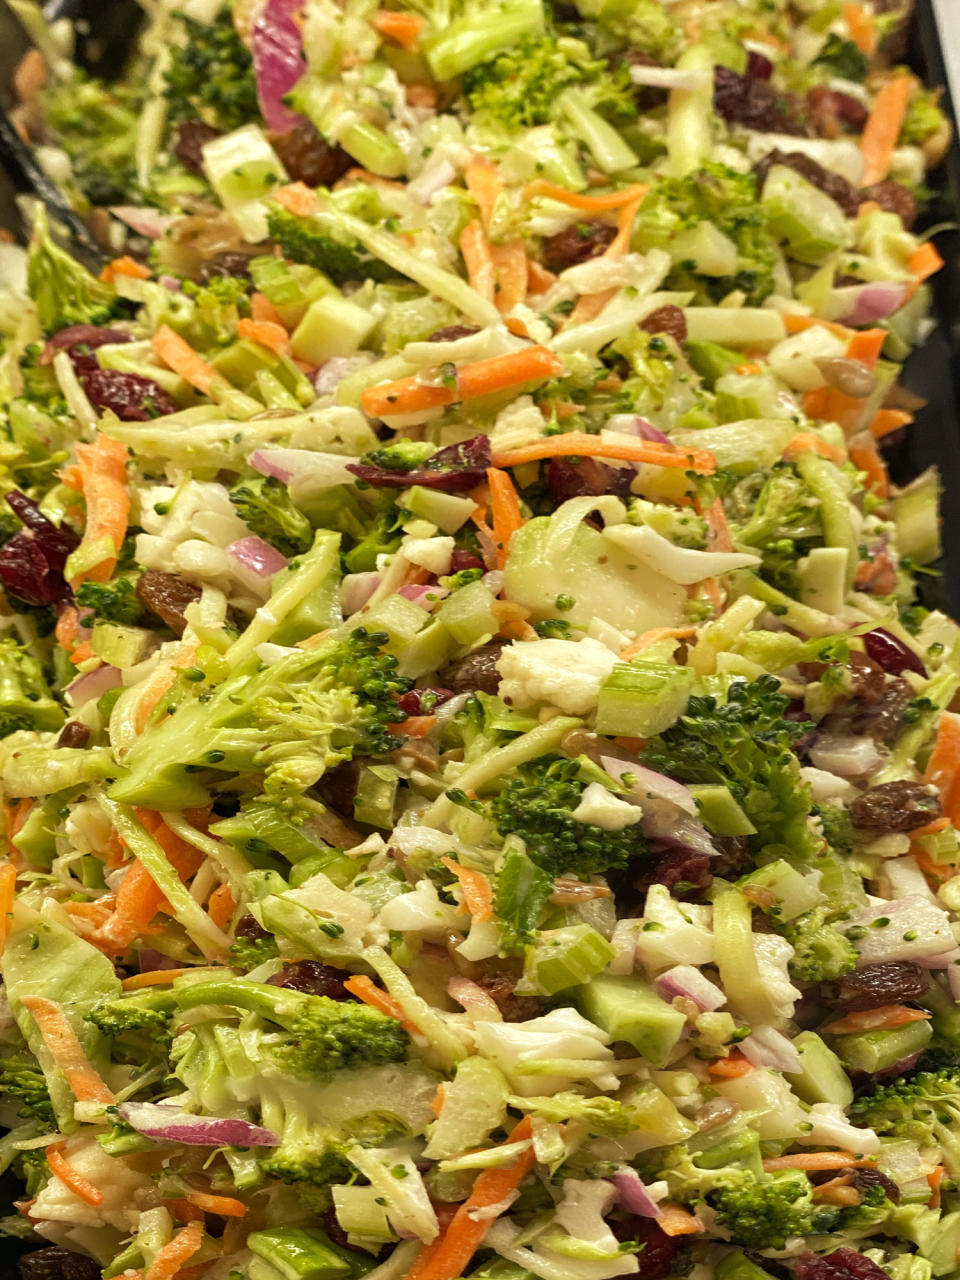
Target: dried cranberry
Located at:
point(308, 158)
point(894, 197)
point(33, 560)
point(130, 396)
point(452, 332)
point(576, 244)
point(582, 477)
point(477, 672)
point(192, 136)
point(73, 734)
point(413, 701)
point(460, 560)
point(759, 67)
point(842, 1264)
point(892, 654)
point(500, 986)
point(895, 806)
point(166, 596)
point(875, 985)
point(228, 263)
point(669, 320)
point(753, 103)
point(684, 871)
point(658, 1251)
point(313, 978)
point(454, 469)
point(58, 1264)
point(830, 112)
point(844, 193)
point(250, 928)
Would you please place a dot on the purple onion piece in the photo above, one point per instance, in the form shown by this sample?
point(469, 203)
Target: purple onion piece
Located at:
point(454, 469)
point(634, 1196)
point(154, 961)
point(893, 655)
point(170, 1124)
point(278, 60)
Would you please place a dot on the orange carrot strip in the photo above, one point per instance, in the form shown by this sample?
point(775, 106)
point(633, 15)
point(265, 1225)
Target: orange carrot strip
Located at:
point(225, 1206)
point(366, 989)
point(220, 905)
point(497, 373)
point(884, 1018)
point(539, 279)
point(650, 637)
point(261, 308)
point(103, 468)
point(882, 129)
point(510, 275)
point(160, 977)
point(413, 726)
point(806, 442)
point(865, 456)
point(184, 1211)
point(125, 266)
point(798, 324)
point(862, 28)
point(816, 1161)
point(17, 815)
point(931, 828)
point(172, 1256)
point(406, 395)
point(182, 359)
point(924, 261)
point(505, 509)
point(720, 539)
point(674, 1220)
point(157, 686)
point(886, 421)
point(732, 1067)
point(8, 884)
point(138, 897)
point(266, 333)
point(296, 198)
point(934, 1178)
point(403, 29)
point(620, 244)
point(483, 183)
point(62, 1170)
point(449, 1255)
point(476, 890)
point(866, 345)
point(581, 445)
point(589, 204)
point(479, 260)
point(67, 1051)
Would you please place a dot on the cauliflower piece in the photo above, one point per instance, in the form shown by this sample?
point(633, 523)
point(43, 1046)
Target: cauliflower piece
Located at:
point(766, 1091)
point(674, 932)
point(432, 554)
point(601, 808)
point(420, 911)
point(773, 955)
point(122, 1188)
point(831, 1128)
point(543, 1055)
point(565, 673)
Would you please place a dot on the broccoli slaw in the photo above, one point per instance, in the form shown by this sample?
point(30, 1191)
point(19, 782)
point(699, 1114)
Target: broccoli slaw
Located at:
point(479, 784)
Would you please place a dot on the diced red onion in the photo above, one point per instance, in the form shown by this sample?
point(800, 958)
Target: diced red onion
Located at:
point(424, 594)
point(634, 1196)
point(332, 372)
point(766, 1047)
point(474, 999)
point(94, 684)
point(685, 980)
point(305, 471)
point(872, 302)
point(631, 424)
point(434, 179)
point(356, 589)
point(648, 783)
point(168, 1123)
point(846, 755)
point(941, 961)
point(661, 822)
point(257, 557)
point(170, 282)
point(153, 961)
point(278, 60)
point(146, 222)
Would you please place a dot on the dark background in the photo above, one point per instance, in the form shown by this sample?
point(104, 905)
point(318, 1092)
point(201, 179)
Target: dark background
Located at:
point(933, 371)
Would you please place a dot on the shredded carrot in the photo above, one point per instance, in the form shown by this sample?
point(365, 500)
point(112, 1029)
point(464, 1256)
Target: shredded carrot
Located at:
point(862, 27)
point(296, 198)
point(266, 333)
point(225, 1206)
point(720, 539)
point(931, 828)
point(64, 1172)
point(589, 204)
point(539, 279)
point(510, 275)
point(581, 445)
point(103, 469)
point(413, 726)
point(67, 632)
point(67, 1051)
point(817, 1161)
point(184, 1211)
point(157, 686)
point(478, 258)
point(476, 890)
point(799, 324)
point(592, 304)
point(220, 905)
point(924, 261)
point(866, 345)
point(17, 815)
point(674, 1220)
point(436, 1106)
point(751, 366)
point(125, 266)
point(366, 989)
point(866, 457)
point(943, 767)
point(505, 511)
point(935, 1178)
point(880, 134)
point(159, 977)
point(261, 308)
point(8, 883)
point(498, 373)
point(450, 1253)
point(182, 359)
point(807, 442)
point(172, 1256)
point(732, 1067)
point(652, 636)
point(884, 1018)
point(403, 29)
point(886, 421)
point(483, 183)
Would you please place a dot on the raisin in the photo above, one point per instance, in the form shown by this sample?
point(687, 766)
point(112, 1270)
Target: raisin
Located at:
point(894, 197)
point(73, 734)
point(892, 654)
point(166, 596)
point(844, 193)
point(576, 244)
point(842, 1264)
point(658, 1250)
point(58, 1264)
point(867, 679)
point(669, 320)
point(79, 339)
point(308, 158)
point(192, 135)
point(759, 67)
point(895, 806)
point(228, 263)
point(882, 720)
point(477, 672)
point(338, 786)
point(464, 560)
point(830, 112)
point(683, 871)
point(413, 702)
point(875, 985)
point(313, 978)
point(585, 477)
point(753, 103)
point(130, 396)
point(500, 987)
point(250, 928)
point(452, 332)
point(864, 1179)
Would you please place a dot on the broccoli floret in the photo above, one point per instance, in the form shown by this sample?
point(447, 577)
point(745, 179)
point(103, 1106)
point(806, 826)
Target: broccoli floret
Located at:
point(769, 507)
point(25, 1082)
point(32, 1169)
point(25, 698)
point(923, 1106)
point(97, 126)
point(521, 86)
point(339, 257)
point(745, 744)
point(145, 1011)
point(290, 722)
point(322, 1034)
point(762, 1215)
point(400, 455)
point(65, 293)
point(265, 506)
point(211, 75)
point(606, 1117)
point(924, 118)
point(114, 601)
point(641, 24)
point(218, 307)
point(820, 951)
point(249, 953)
point(681, 525)
point(308, 1153)
point(843, 58)
point(536, 805)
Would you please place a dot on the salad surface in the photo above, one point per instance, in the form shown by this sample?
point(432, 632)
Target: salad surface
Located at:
point(480, 789)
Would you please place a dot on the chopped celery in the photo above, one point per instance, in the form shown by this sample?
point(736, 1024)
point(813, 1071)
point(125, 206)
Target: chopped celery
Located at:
point(628, 1008)
point(567, 957)
point(332, 326)
point(758, 327)
point(476, 36)
point(831, 486)
point(118, 645)
point(812, 224)
point(640, 699)
point(720, 812)
point(243, 168)
point(300, 1253)
point(917, 517)
point(823, 578)
point(706, 248)
point(690, 114)
point(468, 614)
point(448, 511)
point(794, 892)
